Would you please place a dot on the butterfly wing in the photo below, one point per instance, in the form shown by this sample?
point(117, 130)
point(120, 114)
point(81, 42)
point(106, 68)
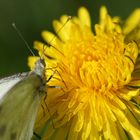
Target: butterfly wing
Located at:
point(18, 109)
point(7, 83)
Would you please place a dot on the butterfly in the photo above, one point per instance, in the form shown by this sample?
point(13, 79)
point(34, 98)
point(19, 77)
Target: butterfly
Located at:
point(20, 96)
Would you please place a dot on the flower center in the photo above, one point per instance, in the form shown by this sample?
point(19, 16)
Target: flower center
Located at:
point(99, 63)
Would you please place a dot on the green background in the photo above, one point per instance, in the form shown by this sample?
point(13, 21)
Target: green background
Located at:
point(33, 16)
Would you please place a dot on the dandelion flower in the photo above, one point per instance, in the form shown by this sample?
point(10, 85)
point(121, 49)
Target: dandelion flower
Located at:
point(99, 77)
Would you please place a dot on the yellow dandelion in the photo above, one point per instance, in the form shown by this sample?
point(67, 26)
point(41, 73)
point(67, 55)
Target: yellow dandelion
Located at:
point(99, 78)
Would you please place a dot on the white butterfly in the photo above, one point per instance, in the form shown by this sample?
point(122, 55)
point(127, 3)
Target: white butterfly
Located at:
point(20, 97)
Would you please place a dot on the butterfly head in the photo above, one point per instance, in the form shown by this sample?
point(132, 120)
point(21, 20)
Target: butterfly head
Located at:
point(39, 67)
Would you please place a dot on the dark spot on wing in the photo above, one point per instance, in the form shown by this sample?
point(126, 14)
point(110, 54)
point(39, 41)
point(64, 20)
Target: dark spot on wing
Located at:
point(13, 136)
point(22, 74)
point(2, 130)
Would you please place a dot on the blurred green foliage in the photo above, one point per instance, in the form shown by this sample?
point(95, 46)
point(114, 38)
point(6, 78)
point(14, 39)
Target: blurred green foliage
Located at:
point(33, 16)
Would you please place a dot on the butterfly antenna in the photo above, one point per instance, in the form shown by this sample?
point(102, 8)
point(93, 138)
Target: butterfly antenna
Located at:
point(69, 18)
point(54, 37)
point(22, 38)
point(43, 52)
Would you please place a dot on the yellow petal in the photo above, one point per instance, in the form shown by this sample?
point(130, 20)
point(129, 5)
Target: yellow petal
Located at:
point(84, 16)
point(51, 39)
point(132, 22)
point(31, 61)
